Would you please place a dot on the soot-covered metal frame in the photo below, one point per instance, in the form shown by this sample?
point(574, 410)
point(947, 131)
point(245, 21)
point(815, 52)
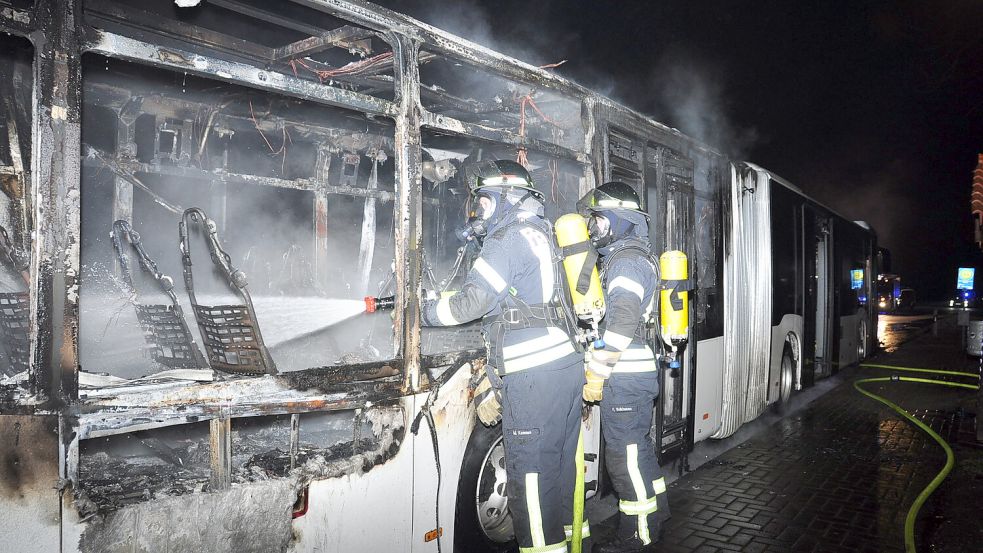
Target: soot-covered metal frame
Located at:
point(61, 31)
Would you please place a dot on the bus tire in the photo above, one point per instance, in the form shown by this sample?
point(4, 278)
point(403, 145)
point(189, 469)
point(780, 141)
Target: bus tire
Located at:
point(862, 340)
point(482, 485)
point(786, 380)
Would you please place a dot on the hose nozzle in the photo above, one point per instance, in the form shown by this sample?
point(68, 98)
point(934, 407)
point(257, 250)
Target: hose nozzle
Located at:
point(373, 304)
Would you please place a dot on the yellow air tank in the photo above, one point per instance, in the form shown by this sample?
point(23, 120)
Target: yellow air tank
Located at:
point(674, 299)
point(585, 282)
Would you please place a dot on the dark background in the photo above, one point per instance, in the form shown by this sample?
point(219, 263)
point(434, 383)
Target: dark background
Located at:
point(873, 108)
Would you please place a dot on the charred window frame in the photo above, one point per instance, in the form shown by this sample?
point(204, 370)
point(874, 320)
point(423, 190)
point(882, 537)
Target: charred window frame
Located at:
point(16, 214)
point(55, 307)
point(127, 48)
point(271, 172)
point(49, 195)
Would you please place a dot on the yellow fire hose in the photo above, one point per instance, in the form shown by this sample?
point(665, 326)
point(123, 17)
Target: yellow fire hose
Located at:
point(578, 498)
point(909, 526)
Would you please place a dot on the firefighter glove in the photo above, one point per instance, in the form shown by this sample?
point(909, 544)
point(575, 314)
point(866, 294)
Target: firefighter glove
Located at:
point(487, 402)
point(594, 389)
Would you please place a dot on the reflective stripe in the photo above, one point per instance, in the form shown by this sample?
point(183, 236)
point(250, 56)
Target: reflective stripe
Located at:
point(599, 368)
point(444, 312)
point(635, 367)
point(638, 507)
point(540, 247)
point(627, 204)
point(539, 358)
point(504, 180)
point(532, 505)
point(490, 275)
point(617, 341)
point(635, 474)
point(584, 530)
point(636, 360)
point(627, 284)
point(638, 354)
point(554, 337)
point(659, 485)
point(552, 548)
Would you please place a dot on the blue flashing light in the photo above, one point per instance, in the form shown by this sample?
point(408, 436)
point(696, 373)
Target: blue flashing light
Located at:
point(965, 294)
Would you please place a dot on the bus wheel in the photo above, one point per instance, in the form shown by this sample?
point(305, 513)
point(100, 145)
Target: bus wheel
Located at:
point(861, 341)
point(786, 379)
point(483, 522)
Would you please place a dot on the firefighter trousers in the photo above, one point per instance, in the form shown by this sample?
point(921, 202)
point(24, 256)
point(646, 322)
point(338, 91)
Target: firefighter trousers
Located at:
point(629, 454)
point(541, 410)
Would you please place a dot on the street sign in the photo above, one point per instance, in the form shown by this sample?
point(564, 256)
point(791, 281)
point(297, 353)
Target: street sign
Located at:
point(856, 279)
point(964, 279)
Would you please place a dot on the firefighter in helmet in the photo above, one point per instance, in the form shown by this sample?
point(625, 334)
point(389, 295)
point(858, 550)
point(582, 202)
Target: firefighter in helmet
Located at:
point(623, 375)
point(534, 375)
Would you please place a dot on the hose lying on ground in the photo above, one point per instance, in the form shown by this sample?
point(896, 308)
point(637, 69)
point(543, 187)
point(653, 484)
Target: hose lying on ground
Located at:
point(909, 526)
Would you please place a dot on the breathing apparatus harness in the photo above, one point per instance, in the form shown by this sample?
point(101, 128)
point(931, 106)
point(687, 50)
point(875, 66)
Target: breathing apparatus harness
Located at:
point(646, 331)
point(516, 314)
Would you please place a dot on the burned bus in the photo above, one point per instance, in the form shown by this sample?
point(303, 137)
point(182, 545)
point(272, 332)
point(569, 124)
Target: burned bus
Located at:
point(196, 200)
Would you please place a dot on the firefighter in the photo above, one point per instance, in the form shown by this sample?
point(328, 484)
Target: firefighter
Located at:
point(534, 375)
point(622, 375)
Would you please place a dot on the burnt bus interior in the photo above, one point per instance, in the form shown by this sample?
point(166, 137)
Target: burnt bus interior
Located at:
point(16, 126)
point(244, 179)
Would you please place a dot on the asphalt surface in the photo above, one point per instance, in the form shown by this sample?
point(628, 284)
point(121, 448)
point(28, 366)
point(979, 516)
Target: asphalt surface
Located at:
point(840, 473)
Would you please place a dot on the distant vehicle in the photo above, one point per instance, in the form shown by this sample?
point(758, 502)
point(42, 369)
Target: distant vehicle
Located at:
point(888, 292)
point(907, 300)
point(962, 298)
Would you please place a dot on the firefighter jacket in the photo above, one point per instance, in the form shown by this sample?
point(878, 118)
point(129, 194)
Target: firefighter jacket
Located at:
point(514, 286)
point(631, 286)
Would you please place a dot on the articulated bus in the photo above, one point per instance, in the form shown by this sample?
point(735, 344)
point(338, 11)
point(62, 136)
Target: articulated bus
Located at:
point(196, 200)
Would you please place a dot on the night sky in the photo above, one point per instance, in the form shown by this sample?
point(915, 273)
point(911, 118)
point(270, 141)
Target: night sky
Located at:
point(873, 108)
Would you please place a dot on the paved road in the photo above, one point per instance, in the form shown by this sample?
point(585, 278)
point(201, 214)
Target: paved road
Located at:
point(841, 473)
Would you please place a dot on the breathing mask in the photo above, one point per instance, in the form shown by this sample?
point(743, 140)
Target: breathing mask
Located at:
point(485, 204)
point(607, 226)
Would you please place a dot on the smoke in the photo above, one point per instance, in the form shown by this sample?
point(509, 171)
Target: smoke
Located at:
point(692, 97)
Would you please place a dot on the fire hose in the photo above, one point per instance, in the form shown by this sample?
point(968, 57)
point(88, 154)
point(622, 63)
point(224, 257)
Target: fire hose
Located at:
point(576, 537)
point(909, 526)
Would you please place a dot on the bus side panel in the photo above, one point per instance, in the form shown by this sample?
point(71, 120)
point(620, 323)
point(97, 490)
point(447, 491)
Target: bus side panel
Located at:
point(454, 418)
point(709, 387)
point(363, 512)
point(852, 251)
point(29, 498)
point(849, 330)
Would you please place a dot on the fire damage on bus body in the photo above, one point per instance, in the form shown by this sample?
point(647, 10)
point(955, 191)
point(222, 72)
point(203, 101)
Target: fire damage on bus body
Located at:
point(140, 399)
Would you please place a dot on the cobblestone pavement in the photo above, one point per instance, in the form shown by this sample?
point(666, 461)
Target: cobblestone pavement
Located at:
point(840, 474)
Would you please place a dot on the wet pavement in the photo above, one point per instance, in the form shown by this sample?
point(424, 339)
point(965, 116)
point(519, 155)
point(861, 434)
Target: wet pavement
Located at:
point(841, 473)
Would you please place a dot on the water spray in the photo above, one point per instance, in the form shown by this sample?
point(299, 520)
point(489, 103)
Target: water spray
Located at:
point(373, 304)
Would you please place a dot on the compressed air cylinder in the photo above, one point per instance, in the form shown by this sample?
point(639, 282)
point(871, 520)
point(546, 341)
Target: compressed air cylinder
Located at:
point(673, 298)
point(572, 237)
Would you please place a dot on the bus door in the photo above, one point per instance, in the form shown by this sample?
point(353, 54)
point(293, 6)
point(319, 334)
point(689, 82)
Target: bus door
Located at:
point(669, 187)
point(817, 311)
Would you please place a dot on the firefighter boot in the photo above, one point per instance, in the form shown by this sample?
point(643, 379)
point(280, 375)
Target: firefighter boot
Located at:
point(631, 544)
